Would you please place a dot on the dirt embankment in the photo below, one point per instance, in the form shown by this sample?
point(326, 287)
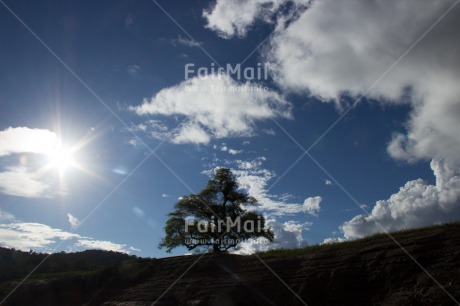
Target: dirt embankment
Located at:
point(375, 272)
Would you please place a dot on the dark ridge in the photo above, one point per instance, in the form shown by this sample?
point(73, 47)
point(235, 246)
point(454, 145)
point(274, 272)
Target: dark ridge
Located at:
point(370, 271)
point(17, 264)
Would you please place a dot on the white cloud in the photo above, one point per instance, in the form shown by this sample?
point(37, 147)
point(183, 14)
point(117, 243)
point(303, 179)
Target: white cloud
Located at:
point(21, 182)
point(31, 236)
point(270, 132)
point(185, 42)
point(255, 182)
point(333, 240)
point(254, 179)
point(74, 222)
point(26, 140)
point(288, 235)
point(215, 107)
point(23, 176)
point(231, 18)
point(102, 245)
point(233, 151)
point(191, 132)
point(415, 204)
point(311, 205)
point(224, 148)
point(328, 52)
point(43, 238)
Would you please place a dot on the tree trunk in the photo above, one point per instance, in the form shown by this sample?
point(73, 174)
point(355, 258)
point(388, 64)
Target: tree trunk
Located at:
point(215, 248)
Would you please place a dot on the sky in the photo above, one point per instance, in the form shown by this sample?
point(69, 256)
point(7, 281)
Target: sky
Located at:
point(342, 121)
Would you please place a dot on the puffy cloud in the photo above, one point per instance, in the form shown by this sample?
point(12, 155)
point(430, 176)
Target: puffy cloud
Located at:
point(415, 204)
point(311, 205)
point(329, 53)
point(231, 18)
point(26, 140)
point(215, 106)
point(74, 222)
point(288, 235)
point(327, 182)
point(23, 174)
point(391, 52)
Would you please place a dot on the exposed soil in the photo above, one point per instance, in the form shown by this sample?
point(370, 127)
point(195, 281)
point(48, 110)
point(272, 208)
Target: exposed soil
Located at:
point(377, 272)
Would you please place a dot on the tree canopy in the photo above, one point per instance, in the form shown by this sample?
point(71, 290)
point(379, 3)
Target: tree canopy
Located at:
point(218, 218)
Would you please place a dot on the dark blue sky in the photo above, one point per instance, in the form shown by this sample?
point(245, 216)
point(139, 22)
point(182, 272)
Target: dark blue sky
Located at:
point(114, 54)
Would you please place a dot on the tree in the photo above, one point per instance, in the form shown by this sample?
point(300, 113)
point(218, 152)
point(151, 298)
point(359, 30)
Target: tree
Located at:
point(217, 218)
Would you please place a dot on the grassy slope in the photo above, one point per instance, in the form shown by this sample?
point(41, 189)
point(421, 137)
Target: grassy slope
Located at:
point(355, 243)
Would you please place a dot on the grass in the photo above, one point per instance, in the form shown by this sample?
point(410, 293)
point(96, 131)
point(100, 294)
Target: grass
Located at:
point(351, 243)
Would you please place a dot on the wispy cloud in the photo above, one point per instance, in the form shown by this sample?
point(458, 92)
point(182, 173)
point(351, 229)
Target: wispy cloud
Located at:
point(133, 70)
point(129, 21)
point(185, 42)
point(32, 236)
point(103, 245)
point(270, 132)
point(225, 148)
point(23, 182)
point(254, 179)
point(42, 238)
point(6, 217)
point(74, 222)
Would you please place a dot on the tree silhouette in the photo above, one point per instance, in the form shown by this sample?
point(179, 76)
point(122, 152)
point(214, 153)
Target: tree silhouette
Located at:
point(218, 218)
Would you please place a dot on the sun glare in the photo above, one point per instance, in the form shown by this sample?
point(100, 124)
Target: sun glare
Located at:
point(61, 158)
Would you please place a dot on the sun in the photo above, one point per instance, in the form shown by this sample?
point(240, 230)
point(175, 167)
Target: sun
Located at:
point(61, 158)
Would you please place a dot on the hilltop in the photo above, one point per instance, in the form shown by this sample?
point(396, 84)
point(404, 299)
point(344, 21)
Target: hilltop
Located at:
point(370, 271)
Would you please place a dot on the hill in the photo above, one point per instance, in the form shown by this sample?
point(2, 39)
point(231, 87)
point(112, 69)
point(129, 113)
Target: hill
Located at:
point(370, 271)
